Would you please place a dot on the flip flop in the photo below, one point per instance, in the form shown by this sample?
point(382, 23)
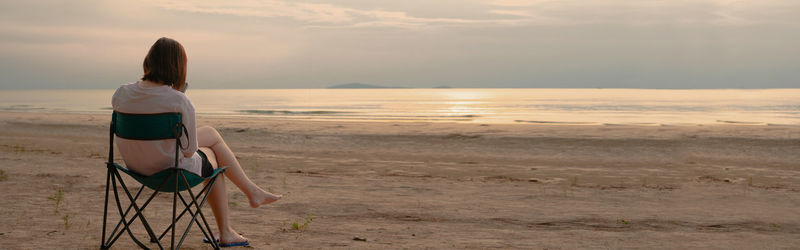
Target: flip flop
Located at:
point(246, 243)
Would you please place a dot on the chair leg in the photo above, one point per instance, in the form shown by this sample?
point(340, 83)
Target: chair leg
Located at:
point(208, 234)
point(131, 221)
point(187, 209)
point(138, 210)
point(126, 227)
point(127, 210)
point(174, 203)
point(105, 212)
point(180, 215)
point(198, 208)
point(167, 230)
point(183, 212)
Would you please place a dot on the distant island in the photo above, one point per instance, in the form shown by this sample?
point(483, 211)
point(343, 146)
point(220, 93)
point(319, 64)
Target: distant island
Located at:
point(358, 85)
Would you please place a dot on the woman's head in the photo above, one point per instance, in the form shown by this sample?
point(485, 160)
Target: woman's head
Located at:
point(166, 63)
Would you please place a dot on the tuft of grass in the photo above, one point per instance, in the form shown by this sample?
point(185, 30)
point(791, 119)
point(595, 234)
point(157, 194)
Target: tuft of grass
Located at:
point(234, 204)
point(574, 181)
point(750, 181)
point(58, 197)
point(301, 227)
point(775, 225)
point(624, 221)
point(67, 223)
point(644, 182)
point(3, 176)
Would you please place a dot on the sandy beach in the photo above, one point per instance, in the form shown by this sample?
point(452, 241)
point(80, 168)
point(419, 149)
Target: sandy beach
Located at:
point(435, 185)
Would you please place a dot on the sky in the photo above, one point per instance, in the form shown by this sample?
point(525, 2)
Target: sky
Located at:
point(671, 44)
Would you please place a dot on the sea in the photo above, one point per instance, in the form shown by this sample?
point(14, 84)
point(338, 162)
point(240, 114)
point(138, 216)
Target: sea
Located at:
point(639, 107)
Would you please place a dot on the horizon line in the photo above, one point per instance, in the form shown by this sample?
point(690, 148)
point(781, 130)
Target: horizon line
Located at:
point(395, 88)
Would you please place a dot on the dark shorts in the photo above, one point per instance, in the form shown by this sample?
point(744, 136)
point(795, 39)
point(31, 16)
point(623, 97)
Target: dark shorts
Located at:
point(208, 169)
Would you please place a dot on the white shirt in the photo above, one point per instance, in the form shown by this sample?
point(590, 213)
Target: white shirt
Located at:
point(152, 156)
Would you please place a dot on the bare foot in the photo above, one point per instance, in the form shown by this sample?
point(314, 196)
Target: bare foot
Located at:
point(231, 237)
point(261, 197)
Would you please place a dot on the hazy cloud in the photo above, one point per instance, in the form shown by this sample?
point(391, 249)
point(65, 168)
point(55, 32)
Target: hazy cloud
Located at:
point(645, 12)
point(317, 14)
point(514, 12)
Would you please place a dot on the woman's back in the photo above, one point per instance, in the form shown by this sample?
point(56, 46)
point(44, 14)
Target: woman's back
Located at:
point(149, 157)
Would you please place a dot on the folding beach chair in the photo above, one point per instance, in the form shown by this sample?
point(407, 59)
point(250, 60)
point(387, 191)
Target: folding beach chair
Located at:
point(175, 180)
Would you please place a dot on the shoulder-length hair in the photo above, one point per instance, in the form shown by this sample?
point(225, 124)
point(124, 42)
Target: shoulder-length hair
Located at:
point(165, 63)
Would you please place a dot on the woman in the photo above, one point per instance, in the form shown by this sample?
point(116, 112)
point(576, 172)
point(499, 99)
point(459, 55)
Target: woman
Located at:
point(160, 91)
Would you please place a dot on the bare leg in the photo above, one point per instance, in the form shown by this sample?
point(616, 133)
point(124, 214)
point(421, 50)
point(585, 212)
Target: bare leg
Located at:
point(209, 137)
point(218, 200)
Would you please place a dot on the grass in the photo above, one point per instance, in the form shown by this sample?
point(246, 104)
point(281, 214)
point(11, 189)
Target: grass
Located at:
point(624, 221)
point(575, 181)
point(58, 197)
point(3, 176)
point(300, 227)
point(67, 223)
point(18, 148)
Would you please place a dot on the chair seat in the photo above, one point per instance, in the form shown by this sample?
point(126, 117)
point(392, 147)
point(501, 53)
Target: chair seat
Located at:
point(155, 180)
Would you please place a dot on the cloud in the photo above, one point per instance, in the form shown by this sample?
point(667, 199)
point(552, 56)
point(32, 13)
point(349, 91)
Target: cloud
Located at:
point(319, 15)
point(516, 3)
point(511, 12)
point(521, 13)
point(651, 12)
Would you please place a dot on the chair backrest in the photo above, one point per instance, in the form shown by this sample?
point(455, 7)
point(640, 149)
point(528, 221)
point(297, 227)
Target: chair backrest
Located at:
point(157, 126)
point(147, 126)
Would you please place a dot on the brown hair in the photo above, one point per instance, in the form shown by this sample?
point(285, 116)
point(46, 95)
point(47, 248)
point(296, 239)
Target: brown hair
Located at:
point(165, 63)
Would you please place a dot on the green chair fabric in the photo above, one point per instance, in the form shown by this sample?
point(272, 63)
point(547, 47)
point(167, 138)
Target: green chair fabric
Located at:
point(158, 179)
point(147, 127)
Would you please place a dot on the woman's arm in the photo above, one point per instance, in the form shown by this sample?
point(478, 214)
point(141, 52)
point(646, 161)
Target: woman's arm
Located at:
point(190, 143)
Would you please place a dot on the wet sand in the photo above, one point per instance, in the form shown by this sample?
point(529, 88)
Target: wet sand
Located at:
point(435, 185)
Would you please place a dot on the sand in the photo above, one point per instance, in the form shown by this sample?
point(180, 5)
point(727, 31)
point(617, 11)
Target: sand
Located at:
point(435, 185)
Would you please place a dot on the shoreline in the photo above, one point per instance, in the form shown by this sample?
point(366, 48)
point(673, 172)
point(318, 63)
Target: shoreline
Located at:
point(91, 115)
point(438, 185)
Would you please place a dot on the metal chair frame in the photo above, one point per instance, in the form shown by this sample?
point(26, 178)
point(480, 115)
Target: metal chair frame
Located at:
point(193, 206)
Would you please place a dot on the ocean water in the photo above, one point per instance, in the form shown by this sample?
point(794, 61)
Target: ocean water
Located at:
point(644, 107)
